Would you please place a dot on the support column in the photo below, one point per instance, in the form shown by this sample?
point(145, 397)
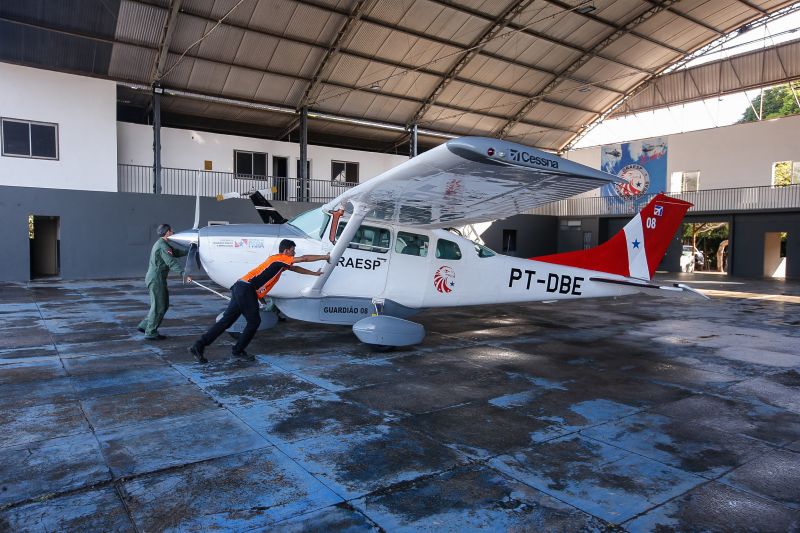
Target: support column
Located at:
point(156, 139)
point(412, 150)
point(302, 177)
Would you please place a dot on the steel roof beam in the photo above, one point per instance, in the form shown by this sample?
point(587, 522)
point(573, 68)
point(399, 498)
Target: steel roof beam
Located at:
point(538, 35)
point(403, 65)
point(166, 39)
point(525, 109)
point(460, 46)
point(497, 25)
point(617, 28)
point(690, 18)
point(361, 7)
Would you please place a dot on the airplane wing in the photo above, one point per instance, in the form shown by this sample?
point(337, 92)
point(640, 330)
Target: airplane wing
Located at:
point(470, 180)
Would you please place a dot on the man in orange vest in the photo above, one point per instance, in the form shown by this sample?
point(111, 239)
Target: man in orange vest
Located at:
point(245, 294)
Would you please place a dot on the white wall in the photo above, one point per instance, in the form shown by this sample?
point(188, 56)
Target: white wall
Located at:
point(190, 148)
point(739, 155)
point(85, 110)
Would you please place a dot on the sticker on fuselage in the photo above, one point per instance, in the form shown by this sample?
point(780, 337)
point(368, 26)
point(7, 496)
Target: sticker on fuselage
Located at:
point(340, 308)
point(444, 279)
point(552, 283)
point(360, 263)
point(252, 244)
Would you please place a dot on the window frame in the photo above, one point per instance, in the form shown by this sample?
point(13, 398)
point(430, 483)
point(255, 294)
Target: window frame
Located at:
point(345, 183)
point(436, 252)
point(30, 140)
point(365, 247)
point(252, 174)
point(684, 173)
point(794, 173)
point(426, 248)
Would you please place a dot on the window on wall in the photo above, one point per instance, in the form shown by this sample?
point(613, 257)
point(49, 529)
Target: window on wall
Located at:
point(24, 138)
point(785, 173)
point(249, 164)
point(344, 172)
point(690, 181)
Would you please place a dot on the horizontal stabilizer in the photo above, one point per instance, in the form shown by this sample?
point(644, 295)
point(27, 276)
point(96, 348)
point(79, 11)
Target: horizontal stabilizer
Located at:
point(652, 288)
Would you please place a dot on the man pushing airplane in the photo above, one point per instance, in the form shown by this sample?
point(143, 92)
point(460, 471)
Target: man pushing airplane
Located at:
point(245, 294)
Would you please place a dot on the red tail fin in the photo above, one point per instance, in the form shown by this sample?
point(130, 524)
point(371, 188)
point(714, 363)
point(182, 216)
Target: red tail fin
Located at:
point(635, 251)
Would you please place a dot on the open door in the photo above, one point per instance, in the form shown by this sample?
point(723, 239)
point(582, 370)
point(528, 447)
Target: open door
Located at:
point(775, 254)
point(45, 250)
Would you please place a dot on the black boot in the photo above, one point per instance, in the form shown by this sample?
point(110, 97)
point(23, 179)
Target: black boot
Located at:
point(196, 350)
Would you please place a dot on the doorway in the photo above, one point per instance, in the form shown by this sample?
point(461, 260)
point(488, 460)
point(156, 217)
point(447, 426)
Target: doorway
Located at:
point(45, 246)
point(280, 172)
point(775, 254)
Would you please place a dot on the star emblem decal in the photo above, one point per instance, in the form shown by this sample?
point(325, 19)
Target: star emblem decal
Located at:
point(635, 243)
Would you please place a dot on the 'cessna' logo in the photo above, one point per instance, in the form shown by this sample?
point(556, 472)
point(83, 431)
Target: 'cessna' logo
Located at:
point(525, 157)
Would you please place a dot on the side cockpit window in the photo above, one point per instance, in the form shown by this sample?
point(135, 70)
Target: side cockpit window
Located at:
point(447, 250)
point(411, 244)
point(368, 238)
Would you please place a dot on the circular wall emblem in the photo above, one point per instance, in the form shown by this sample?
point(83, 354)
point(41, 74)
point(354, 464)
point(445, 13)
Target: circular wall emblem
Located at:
point(444, 279)
point(637, 181)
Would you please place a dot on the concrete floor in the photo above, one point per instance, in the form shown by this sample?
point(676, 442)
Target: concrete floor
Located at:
point(636, 414)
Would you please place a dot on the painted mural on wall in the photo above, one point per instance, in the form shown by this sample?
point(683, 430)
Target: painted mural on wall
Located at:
point(643, 166)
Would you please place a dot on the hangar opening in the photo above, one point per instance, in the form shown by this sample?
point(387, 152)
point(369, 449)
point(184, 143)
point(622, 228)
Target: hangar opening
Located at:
point(775, 254)
point(705, 246)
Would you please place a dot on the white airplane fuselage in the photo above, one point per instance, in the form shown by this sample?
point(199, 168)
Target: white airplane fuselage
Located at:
point(424, 276)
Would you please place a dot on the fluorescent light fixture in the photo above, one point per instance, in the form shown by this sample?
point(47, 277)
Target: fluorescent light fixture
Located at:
point(585, 8)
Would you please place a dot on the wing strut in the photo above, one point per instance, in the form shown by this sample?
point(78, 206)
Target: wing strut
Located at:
point(359, 212)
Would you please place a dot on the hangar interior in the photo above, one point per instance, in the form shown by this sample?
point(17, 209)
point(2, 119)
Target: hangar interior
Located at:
point(617, 414)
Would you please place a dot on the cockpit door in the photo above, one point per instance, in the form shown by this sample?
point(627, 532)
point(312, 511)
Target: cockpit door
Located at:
point(364, 265)
point(408, 273)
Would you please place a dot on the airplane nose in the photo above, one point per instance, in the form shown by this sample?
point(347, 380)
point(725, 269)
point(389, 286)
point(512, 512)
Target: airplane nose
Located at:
point(185, 238)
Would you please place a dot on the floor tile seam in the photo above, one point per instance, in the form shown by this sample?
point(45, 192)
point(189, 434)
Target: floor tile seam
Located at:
point(702, 422)
point(407, 483)
point(29, 443)
point(48, 496)
point(348, 507)
point(754, 494)
point(632, 452)
point(279, 446)
point(126, 478)
point(118, 492)
point(672, 499)
point(549, 494)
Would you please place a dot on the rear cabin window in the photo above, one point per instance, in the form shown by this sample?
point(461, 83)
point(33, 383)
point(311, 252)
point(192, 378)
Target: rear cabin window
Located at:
point(368, 238)
point(411, 244)
point(447, 250)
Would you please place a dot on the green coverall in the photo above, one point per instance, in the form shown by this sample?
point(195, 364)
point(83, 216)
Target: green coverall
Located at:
point(162, 260)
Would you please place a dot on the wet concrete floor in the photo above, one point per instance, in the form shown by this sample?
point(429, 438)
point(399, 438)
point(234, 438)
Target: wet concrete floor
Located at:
point(636, 414)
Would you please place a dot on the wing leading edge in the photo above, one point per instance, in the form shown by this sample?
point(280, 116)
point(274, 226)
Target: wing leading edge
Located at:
point(470, 180)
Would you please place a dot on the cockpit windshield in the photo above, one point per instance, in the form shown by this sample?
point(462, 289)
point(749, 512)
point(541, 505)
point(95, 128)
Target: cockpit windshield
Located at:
point(312, 223)
point(483, 251)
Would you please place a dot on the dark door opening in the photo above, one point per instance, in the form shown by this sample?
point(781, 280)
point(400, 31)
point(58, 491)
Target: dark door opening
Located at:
point(509, 242)
point(45, 246)
point(280, 171)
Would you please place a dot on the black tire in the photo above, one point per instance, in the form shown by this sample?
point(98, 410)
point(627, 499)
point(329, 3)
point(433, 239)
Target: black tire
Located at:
point(382, 348)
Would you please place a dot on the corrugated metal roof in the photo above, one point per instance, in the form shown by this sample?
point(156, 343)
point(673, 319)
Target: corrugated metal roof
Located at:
point(548, 69)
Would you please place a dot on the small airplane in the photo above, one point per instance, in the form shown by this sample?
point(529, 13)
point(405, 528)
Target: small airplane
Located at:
point(393, 256)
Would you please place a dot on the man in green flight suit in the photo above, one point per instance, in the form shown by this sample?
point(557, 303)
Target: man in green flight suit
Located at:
point(162, 261)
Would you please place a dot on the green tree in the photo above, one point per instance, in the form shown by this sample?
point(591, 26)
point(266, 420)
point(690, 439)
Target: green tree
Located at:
point(778, 102)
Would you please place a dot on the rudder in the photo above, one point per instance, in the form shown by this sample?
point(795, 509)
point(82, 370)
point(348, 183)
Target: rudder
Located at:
point(635, 251)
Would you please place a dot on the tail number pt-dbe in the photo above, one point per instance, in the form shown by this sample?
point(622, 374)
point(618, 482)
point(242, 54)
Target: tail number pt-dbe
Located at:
point(560, 283)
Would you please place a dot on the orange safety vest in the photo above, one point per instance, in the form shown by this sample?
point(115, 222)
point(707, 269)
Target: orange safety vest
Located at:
point(267, 286)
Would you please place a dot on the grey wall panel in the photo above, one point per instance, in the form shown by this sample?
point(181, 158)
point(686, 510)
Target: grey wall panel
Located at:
point(536, 234)
point(103, 234)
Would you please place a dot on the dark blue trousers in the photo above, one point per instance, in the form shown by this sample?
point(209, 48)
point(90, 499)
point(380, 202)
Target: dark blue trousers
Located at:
point(243, 302)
